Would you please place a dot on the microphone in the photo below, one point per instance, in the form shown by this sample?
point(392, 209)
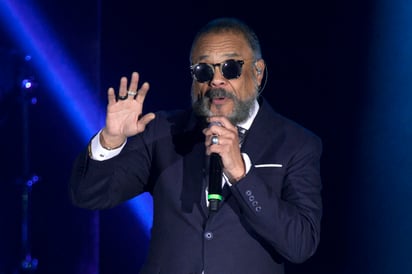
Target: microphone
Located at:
point(215, 182)
point(215, 179)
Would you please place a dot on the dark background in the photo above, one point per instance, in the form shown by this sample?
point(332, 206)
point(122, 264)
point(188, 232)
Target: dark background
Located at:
point(327, 70)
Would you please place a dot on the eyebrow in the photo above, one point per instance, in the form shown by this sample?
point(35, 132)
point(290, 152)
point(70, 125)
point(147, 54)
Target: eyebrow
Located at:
point(228, 56)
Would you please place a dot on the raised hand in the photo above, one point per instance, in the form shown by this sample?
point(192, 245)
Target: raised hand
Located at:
point(124, 113)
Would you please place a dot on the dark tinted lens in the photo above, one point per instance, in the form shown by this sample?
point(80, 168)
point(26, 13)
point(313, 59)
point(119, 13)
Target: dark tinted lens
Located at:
point(202, 72)
point(231, 69)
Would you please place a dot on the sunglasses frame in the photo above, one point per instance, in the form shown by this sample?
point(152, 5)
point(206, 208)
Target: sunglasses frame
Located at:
point(239, 64)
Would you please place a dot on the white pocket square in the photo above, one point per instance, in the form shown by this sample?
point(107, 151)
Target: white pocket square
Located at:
point(269, 165)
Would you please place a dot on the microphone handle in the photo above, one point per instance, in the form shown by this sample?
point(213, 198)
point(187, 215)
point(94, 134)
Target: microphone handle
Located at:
point(215, 182)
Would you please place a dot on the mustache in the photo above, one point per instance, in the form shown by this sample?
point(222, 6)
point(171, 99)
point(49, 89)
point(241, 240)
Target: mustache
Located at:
point(218, 92)
point(201, 104)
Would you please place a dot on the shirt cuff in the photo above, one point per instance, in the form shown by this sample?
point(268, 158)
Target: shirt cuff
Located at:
point(247, 161)
point(99, 153)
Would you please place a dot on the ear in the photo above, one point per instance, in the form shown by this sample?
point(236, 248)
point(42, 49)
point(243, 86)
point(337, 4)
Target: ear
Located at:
point(260, 68)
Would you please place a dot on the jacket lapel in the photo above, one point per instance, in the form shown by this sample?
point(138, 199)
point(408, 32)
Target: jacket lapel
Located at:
point(260, 133)
point(194, 166)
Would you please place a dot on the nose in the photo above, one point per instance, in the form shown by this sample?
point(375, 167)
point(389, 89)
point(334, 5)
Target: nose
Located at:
point(218, 80)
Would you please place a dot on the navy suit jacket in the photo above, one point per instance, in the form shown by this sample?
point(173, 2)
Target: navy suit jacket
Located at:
point(270, 216)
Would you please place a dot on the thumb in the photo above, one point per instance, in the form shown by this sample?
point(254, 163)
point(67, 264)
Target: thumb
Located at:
point(144, 120)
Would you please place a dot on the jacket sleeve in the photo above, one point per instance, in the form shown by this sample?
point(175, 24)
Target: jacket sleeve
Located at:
point(283, 206)
point(105, 184)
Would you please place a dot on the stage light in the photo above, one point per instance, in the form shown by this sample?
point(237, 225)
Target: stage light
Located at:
point(385, 143)
point(28, 84)
point(28, 87)
point(49, 58)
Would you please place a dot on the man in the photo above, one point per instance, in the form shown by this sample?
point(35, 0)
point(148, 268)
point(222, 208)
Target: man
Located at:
point(270, 208)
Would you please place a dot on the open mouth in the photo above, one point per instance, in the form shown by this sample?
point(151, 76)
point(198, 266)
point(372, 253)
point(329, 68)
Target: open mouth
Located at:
point(219, 100)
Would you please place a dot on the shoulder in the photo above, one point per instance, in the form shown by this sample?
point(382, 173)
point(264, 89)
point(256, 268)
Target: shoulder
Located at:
point(278, 123)
point(176, 118)
point(173, 121)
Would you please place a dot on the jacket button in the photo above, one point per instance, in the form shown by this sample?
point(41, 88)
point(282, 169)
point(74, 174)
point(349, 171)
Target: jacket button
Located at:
point(208, 235)
point(258, 208)
point(248, 192)
point(251, 198)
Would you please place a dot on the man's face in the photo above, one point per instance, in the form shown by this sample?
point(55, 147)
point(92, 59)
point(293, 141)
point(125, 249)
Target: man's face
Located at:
point(220, 96)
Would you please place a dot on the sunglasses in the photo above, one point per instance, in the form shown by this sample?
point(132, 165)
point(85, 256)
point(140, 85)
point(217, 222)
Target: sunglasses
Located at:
point(230, 69)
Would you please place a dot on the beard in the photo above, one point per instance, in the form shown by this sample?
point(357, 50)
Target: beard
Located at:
point(241, 110)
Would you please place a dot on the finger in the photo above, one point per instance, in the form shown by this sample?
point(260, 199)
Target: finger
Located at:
point(134, 80)
point(222, 121)
point(144, 120)
point(141, 95)
point(111, 97)
point(215, 129)
point(209, 133)
point(123, 87)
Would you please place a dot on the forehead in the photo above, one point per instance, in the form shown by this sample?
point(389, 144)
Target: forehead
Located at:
point(217, 47)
